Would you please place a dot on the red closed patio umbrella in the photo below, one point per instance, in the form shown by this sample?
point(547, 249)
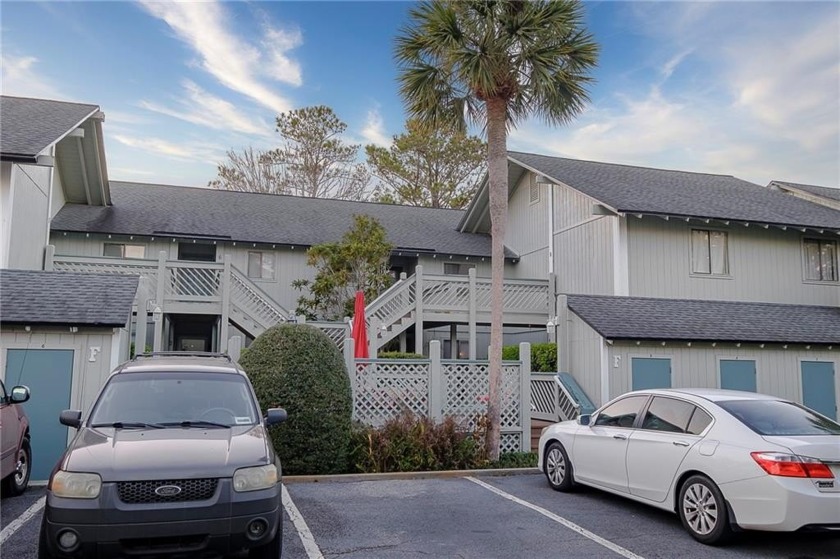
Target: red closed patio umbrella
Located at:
point(360, 343)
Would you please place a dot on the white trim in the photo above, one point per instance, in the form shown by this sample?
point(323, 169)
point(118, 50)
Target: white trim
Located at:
point(116, 338)
point(605, 371)
point(621, 266)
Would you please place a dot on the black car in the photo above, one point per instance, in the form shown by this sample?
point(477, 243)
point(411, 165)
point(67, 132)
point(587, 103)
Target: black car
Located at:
point(174, 460)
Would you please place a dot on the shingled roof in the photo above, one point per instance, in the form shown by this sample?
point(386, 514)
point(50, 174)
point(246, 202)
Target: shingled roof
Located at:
point(36, 297)
point(629, 189)
point(822, 191)
point(175, 211)
point(639, 318)
point(31, 125)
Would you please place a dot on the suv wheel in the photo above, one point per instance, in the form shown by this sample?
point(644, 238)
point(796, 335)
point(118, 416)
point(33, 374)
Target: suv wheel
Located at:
point(17, 482)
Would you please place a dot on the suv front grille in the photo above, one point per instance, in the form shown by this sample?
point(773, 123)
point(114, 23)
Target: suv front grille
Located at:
point(134, 492)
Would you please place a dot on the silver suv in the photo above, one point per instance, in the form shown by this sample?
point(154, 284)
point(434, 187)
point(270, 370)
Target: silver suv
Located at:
point(173, 460)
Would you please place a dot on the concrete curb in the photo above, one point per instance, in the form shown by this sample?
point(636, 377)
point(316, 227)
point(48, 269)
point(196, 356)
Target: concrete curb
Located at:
point(447, 474)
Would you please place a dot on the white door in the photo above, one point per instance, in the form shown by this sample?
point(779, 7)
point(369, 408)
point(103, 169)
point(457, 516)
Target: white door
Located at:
point(599, 450)
point(669, 429)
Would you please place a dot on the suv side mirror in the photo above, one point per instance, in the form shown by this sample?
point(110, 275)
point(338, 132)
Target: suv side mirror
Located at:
point(584, 419)
point(275, 416)
point(20, 394)
point(71, 418)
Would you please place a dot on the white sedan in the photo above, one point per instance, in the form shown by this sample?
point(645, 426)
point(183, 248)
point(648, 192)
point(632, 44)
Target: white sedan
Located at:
point(721, 459)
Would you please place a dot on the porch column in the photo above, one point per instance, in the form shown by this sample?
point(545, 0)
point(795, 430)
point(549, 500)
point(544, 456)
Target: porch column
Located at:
point(418, 316)
point(140, 329)
point(225, 320)
point(159, 296)
point(403, 342)
point(472, 313)
point(453, 341)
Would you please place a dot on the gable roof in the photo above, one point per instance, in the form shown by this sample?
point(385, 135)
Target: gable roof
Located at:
point(823, 191)
point(32, 125)
point(175, 211)
point(37, 297)
point(641, 318)
point(628, 189)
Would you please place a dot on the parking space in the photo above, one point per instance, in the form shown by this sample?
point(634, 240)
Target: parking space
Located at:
point(516, 516)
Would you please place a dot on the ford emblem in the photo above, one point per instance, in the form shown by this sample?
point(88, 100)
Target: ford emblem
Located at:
point(168, 490)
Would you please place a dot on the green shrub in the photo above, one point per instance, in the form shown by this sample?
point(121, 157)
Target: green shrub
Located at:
point(515, 460)
point(543, 356)
point(409, 443)
point(297, 367)
point(400, 355)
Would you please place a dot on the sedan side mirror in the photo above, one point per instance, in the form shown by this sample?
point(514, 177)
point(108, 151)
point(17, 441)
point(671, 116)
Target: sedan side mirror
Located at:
point(584, 419)
point(71, 418)
point(20, 394)
point(275, 416)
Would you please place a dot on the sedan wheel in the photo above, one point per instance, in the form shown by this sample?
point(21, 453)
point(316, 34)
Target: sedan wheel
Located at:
point(558, 469)
point(703, 510)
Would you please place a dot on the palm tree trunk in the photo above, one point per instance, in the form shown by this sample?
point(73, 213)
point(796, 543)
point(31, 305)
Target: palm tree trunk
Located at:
point(498, 179)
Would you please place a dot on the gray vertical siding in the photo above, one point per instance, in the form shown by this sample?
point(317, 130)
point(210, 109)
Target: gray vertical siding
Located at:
point(29, 216)
point(88, 377)
point(527, 230)
point(584, 356)
point(778, 370)
point(765, 265)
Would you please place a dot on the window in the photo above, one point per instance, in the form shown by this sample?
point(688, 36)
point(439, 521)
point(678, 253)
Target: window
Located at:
point(668, 414)
point(621, 413)
point(709, 252)
point(778, 418)
point(197, 252)
point(820, 260)
point(261, 265)
point(699, 421)
point(121, 250)
point(457, 268)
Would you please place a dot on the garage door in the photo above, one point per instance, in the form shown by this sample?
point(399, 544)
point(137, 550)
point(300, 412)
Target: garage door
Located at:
point(737, 374)
point(818, 387)
point(48, 373)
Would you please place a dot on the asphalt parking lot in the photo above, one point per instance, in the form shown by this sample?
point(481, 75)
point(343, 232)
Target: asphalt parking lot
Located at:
point(487, 517)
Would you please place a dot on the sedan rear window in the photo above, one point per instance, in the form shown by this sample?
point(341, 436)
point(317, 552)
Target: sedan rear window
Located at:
point(777, 418)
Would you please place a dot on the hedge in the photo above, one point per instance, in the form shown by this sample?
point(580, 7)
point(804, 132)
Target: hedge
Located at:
point(543, 356)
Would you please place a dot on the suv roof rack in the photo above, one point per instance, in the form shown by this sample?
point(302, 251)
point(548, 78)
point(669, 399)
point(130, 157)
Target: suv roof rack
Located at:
point(153, 354)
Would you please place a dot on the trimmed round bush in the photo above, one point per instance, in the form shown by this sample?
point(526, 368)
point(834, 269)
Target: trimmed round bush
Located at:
point(297, 367)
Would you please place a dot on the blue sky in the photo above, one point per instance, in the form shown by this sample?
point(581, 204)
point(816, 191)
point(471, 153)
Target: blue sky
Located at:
point(750, 89)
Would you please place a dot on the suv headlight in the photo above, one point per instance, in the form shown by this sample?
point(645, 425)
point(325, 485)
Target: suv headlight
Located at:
point(252, 479)
point(74, 485)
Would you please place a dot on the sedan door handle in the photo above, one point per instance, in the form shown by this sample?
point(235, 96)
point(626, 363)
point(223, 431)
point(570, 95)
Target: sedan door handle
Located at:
point(620, 437)
point(680, 443)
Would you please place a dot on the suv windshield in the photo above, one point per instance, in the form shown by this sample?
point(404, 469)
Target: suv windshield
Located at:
point(777, 418)
point(163, 399)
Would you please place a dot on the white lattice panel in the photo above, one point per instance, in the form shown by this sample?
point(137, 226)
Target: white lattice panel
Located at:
point(384, 389)
point(511, 442)
point(466, 389)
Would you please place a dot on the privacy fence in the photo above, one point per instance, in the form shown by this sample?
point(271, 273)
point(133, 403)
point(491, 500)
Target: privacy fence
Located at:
point(383, 388)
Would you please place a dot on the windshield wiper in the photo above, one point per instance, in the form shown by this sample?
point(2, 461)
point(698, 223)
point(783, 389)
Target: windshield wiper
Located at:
point(129, 425)
point(195, 423)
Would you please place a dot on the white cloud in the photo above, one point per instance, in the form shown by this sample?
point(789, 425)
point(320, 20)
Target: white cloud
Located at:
point(202, 108)
point(232, 60)
point(374, 129)
point(20, 78)
point(187, 151)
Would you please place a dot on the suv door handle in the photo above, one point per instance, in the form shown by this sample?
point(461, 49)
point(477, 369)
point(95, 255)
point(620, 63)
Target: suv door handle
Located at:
point(680, 443)
point(620, 437)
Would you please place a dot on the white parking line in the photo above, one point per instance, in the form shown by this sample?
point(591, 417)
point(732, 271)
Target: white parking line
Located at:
point(306, 537)
point(560, 520)
point(18, 522)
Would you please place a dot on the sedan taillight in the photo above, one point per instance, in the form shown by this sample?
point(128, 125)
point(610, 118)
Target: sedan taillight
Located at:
point(791, 465)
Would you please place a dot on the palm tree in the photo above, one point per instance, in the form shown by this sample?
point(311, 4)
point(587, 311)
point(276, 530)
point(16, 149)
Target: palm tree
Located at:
point(494, 63)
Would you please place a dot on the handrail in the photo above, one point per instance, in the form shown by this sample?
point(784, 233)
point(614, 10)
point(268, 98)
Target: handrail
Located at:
point(570, 401)
point(239, 279)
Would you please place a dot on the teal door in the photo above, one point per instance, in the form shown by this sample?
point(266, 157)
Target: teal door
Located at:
point(651, 373)
point(818, 387)
point(737, 375)
point(48, 373)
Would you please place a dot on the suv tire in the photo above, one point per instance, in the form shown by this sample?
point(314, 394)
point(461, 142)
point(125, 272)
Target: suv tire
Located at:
point(17, 482)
